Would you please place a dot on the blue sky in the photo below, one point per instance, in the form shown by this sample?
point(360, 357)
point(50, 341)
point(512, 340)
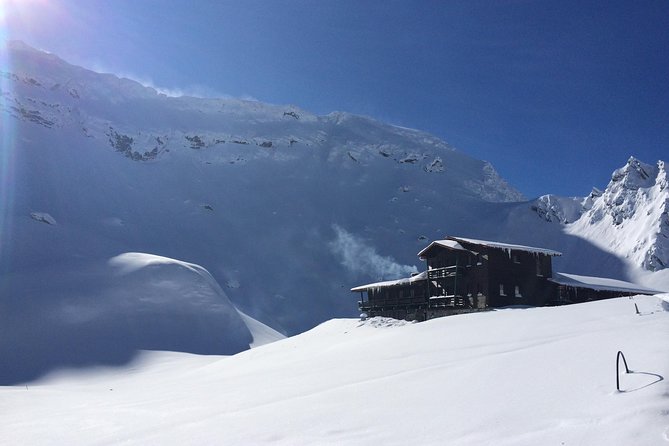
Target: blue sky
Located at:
point(554, 94)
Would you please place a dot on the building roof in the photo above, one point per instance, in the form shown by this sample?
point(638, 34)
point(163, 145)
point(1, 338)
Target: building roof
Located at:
point(600, 283)
point(450, 244)
point(390, 283)
point(455, 243)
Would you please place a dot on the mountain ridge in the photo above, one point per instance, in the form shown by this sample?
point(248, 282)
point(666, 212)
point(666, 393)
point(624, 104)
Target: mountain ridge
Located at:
point(76, 102)
point(284, 208)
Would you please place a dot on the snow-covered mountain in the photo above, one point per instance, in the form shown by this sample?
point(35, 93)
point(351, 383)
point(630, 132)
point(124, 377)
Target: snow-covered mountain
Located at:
point(285, 209)
point(144, 125)
point(630, 218)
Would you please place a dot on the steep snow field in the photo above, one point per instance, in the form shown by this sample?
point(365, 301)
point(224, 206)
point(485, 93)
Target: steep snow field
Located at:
point(279, 205)
point(507, 377)
point(135, 301)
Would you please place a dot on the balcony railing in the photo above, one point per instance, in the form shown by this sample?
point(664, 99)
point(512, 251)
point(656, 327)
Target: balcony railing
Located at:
point(447, 301)
point(445, 272)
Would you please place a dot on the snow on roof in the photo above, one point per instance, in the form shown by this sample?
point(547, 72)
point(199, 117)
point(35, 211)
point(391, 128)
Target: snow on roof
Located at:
point(451, 244)
point(508, 246)
point(599, 283)
point(389, 283)
point(454, 243)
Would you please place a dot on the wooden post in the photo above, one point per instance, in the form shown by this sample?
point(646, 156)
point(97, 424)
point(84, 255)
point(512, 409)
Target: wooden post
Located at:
point(427, 271)
point(455, 281)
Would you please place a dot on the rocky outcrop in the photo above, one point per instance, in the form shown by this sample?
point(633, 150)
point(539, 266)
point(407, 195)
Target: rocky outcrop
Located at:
point(125, 144)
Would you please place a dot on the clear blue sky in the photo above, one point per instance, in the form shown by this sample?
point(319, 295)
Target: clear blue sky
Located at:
point(556, 94)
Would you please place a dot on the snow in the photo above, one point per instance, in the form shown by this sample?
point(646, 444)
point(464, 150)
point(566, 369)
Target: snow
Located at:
point(262, 334)
point(504, 246)
point(599, 283)
point(630, 216)
point(664, 300)
point(134, 261)
point(106, 313)
point(387, 283)
point(451, 244)
point(508, 377)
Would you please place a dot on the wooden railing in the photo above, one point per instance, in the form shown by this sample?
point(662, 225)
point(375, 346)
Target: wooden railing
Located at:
point(447, 301)
point(441, 273)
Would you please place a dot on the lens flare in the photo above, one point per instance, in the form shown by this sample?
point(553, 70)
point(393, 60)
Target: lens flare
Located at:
point(32, 21)
point(7, 147)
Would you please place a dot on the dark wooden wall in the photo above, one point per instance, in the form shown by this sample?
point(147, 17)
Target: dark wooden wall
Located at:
point(523, 276)
point(519, 278)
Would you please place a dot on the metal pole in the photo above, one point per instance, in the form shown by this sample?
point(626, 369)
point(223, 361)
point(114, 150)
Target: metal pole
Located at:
point(627, 370)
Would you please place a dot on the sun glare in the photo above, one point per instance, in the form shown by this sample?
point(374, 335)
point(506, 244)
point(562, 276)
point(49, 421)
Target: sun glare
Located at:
point(22, 19)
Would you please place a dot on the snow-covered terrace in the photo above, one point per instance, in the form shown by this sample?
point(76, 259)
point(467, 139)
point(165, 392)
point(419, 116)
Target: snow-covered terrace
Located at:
point(389, 283)
point(599, 283)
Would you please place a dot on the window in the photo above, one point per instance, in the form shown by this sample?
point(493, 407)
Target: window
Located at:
point(501, 290)
point(515, 258)
point(539, 268)
point(517, 291)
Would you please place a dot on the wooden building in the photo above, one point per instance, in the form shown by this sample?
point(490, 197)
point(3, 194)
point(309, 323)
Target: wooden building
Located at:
point(464, 275)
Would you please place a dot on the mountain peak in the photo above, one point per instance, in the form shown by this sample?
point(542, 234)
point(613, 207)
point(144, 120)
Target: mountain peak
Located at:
point(20, 45)
point(20, 49)
point(635, 174)
point(630, 216)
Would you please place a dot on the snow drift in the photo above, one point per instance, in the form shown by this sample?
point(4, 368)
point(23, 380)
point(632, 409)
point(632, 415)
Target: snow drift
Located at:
point(108, 312)
point(541, 376)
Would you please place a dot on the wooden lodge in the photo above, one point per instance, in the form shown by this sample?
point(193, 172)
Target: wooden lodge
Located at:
point(464, 275)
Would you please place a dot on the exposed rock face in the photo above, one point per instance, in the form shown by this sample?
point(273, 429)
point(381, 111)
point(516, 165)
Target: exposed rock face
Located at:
point(142, 125)
point(558, 209)
point(43, 217)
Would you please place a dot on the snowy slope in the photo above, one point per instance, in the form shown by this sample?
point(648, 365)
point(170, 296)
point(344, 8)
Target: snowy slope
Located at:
point(133, 302)
point(144, 125)
point(275, 202)
point(510, 377)
point(285, 209)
